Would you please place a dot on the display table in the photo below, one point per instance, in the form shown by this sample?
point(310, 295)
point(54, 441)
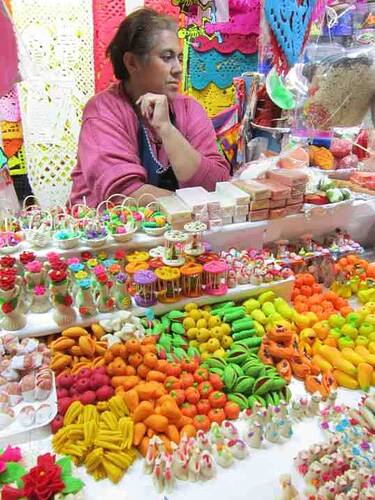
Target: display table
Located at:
point(255, 477)
point(357, 218)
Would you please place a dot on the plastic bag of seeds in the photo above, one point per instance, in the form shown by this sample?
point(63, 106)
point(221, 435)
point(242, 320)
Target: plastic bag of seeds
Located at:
point(340, 91)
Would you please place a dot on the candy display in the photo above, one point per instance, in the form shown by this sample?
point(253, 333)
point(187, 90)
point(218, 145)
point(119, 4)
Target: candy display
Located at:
point(193, 338)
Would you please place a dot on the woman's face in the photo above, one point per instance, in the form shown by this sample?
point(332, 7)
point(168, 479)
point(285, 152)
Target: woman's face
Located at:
point(161, 72)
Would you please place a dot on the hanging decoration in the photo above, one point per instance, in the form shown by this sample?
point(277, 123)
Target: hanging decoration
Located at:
point(244, 18)
point(289, 24)
point(246, 44)
point(189, 7)
point(213, 99)
point(163, 7)
point(59, 45)
point(211, 66)
point(193, 31)
point(107, 18)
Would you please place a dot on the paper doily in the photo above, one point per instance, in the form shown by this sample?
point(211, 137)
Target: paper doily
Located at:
point(58, 39)
point(211, 66)
point(9, 106)
point(107, 17)
point(213, 99)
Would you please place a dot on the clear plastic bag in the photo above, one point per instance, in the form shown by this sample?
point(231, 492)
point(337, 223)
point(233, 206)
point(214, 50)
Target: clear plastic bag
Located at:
point(340, 90)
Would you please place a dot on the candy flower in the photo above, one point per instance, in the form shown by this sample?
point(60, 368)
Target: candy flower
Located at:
point(44, 480)
point(26, 257)
point(102, 255)
point(102, 278)
point(8, 307)
point(119, 255)
point(86, 256)
point(35, 266)
point(57, 276)
point(114, 269)
point(121, 277)
point(91, 263)
point(76, 267)
point(68, 300)
point(81, 275)
point(99, 270)
point(39, 290)
point(84, 284)
point(72, 260)
point(51, 256)
point(7, 282)
point(59, 265)
point(7, 261)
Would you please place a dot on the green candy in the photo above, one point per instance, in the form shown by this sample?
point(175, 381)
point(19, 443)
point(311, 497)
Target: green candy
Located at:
point(244, 334)
point(242, 324)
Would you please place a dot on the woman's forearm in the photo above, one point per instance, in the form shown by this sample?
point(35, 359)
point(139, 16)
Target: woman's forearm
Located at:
point(184, 159)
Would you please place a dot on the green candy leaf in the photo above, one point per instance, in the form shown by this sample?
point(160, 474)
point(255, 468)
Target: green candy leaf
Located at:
point(13, 472)
point(72, 485)
point(66, 466)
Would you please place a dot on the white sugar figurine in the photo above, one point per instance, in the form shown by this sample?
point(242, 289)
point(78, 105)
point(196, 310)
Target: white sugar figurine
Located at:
point(289, 492)
point(296, 411)
point(224, 457)
point(272, 433)
point(229, 430)
point(286, 430)
point(254, 436)
point(313, 407)
point(207, 465)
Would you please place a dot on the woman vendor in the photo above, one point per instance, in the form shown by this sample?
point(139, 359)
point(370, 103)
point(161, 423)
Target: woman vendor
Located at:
point(140, 136)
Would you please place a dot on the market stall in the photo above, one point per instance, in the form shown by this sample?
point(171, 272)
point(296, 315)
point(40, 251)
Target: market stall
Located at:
point(216, 340)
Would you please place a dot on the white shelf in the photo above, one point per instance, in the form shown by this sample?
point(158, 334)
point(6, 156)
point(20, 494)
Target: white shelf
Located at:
point(220, 238)
point(39, 325)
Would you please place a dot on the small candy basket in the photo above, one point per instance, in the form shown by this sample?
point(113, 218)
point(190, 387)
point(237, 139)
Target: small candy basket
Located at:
point(39, 232)
point(154, 220)
point(131, 269)
point(174, 248)
point(195, 231)
point(191, 279)
point(10, 241)
point(94, 233)
point(67, 236)
point(169, 284)
point(145, 288)
point(119, 221)
point(131, 205)
point(216, 277)
point(82, 212)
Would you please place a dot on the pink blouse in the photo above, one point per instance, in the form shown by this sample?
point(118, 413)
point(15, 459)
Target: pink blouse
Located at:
point(108, 158)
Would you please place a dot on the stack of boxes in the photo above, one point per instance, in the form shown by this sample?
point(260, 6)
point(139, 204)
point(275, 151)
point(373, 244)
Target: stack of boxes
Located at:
point(279, 195)
point(296, 181)
point(178, 214)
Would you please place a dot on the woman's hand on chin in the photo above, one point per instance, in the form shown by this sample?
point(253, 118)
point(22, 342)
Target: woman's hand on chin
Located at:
point(155, 109)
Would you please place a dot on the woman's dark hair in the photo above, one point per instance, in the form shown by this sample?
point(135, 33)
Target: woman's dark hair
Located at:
point(136, 34)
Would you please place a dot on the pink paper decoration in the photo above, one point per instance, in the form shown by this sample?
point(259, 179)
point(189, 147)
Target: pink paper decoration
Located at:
point(244, 18)
point(9, 57)
point(163, 7)
point(107, 17)
point(9, 106)
point(246, 44)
